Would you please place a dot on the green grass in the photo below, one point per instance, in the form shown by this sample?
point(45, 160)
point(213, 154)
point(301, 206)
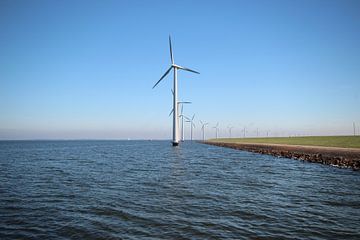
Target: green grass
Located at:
point(325, 141)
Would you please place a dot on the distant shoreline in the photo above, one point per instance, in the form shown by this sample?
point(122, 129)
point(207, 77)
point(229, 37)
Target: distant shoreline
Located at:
point(340, 157)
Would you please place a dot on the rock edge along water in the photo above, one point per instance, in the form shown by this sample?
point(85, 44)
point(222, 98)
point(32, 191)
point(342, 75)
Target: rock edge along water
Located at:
point(341, 157)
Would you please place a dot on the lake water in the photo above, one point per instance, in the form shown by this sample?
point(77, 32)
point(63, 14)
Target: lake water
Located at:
point(149, 189)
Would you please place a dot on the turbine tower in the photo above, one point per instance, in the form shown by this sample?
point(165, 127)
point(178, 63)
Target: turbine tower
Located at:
point(203, 129)
point(175, 140)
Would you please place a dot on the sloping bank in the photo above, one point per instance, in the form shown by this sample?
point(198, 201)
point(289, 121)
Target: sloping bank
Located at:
point(341, 157)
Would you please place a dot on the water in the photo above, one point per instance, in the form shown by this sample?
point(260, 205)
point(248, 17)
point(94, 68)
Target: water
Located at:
point(148, 189)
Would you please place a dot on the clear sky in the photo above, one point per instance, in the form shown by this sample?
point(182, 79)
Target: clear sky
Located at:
point(85, 69)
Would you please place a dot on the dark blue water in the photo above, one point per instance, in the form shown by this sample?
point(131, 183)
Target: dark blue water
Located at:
point(148, 189)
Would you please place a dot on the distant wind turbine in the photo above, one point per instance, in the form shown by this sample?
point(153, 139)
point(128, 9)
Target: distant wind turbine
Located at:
point(172, 110)
point(216, 130)
point(354, 128)
point(191, 121)
point(203, 129)
point(230, 128)
point(182, 119)
point(175, 67)
point(181, 116)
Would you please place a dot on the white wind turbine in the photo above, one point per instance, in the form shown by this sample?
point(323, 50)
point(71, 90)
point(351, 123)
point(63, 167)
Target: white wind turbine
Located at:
point(191, 121)
point(175, 141)
point(203, 129)
point(182, 118)
point(179, 103)
point(181, 115)
point(230, 128)
point(216, 130)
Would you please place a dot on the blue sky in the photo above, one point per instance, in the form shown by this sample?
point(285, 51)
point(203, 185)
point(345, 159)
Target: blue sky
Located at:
point(85, 69)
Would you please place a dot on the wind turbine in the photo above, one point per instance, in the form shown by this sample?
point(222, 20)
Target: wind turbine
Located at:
point(244, 131)
point(354, 128)
point(182, 118)
point(216, 130)
point(175, 141)
point(172, 110)
point(230, 128)
point(203, 129)
point(191, 121)
point(181, 115)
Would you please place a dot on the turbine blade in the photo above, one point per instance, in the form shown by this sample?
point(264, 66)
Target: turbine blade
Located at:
point(172, 110)
point(193, 117)
point(184, 102)
point(182, 108)
point(166, 73)
point(171, 53)
point(188, 69)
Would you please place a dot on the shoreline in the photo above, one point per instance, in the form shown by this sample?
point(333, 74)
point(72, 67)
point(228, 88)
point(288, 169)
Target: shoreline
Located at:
point(340, 157)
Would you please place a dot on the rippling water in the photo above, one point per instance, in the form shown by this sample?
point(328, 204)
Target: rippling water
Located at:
point(148, 189)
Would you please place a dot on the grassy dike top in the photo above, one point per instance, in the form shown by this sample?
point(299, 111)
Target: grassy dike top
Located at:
point(321, 141)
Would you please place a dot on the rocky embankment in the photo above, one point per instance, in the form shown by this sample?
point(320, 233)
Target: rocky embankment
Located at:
point(341, 157)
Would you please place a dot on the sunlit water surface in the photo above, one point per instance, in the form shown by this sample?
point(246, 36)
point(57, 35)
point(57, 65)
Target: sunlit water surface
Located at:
point(148, 189)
